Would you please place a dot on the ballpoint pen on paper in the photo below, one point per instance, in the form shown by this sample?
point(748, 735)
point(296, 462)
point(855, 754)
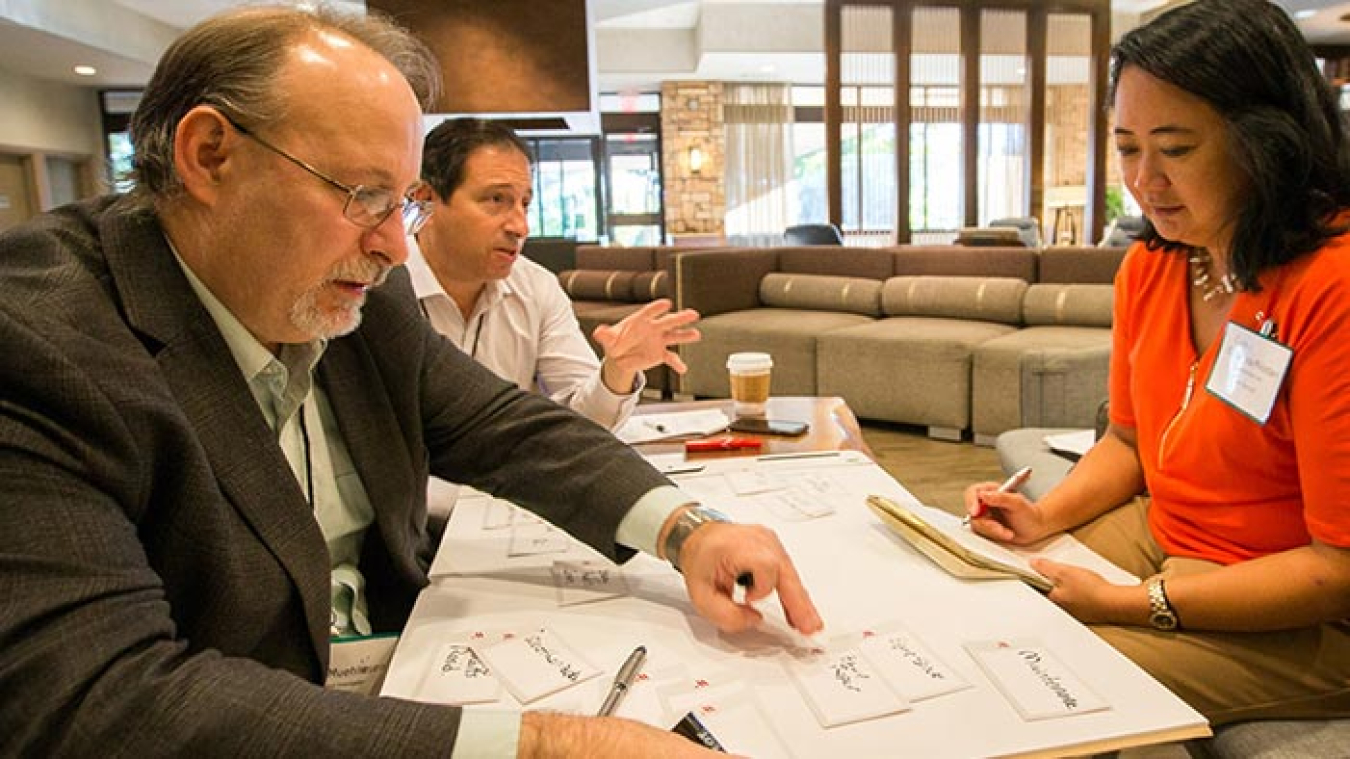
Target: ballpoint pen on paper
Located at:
point(1009, 485)
point(623, 680)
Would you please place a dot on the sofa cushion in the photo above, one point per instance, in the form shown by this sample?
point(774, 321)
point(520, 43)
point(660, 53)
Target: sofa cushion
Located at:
point(788, 334)
point(821, 293)
point(650, 285)
point(987, 299)
point(600, 284)
point(912, 370)
point(959, 261)
point(1043, 376)
point(616, 257)
point(1083, 265)
point(1077, 305)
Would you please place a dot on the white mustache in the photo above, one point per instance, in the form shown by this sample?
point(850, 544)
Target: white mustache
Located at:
point(360, 270)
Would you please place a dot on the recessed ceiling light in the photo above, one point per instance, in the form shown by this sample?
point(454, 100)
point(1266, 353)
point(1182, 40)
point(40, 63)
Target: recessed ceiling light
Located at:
point(86, 70)
point(1305, 13)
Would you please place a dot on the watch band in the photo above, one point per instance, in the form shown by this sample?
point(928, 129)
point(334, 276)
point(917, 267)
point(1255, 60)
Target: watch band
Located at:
point(1161, 614)
point(689, 520)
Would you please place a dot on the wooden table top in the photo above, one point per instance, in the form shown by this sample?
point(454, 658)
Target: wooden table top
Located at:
point(833, 427)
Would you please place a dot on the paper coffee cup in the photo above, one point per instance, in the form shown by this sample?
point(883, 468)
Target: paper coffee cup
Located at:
point(750, 374)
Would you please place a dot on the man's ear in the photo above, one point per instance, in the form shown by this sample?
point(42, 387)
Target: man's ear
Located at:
point(202, 144)
point(423, 191)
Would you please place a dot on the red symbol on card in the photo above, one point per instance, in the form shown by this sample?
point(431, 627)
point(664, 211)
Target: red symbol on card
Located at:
point(700, 683)
point(869, 634)
point(1004, 644)
point(642, 676)
point(708, 709)
point(478, 635)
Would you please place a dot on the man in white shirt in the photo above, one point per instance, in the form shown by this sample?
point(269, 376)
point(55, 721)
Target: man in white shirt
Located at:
point(506, 311)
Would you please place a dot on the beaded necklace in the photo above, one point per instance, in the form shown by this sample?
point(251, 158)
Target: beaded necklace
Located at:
point(1202, 277)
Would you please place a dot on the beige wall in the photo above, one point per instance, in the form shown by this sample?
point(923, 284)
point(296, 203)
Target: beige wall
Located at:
point(48, 117)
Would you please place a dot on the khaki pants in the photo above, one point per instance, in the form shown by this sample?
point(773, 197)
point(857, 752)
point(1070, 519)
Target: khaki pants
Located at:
point(1226, 676)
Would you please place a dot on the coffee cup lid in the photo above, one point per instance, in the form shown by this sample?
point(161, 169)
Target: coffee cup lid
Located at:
point(749, 361)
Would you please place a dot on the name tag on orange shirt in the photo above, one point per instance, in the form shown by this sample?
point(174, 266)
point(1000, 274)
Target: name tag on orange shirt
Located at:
point(1249, 371)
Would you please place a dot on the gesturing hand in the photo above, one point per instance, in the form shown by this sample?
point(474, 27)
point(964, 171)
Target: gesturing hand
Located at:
point(642, 340)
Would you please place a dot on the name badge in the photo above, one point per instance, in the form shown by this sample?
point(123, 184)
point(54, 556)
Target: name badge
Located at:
point(1249, 371)
point(359, 664)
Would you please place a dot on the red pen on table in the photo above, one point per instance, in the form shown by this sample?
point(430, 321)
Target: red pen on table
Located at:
point(1009, 485)
point(722, 444)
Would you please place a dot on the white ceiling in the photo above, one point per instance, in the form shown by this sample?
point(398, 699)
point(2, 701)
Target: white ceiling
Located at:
point(638, 42)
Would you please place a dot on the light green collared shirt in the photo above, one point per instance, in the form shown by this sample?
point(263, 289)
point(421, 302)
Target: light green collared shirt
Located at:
point(298, 412)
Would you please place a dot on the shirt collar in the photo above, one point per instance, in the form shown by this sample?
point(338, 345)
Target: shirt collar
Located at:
point(251, 356)
point(425, 285)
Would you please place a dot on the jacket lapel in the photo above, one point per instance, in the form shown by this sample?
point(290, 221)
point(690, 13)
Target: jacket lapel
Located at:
point(201, 372)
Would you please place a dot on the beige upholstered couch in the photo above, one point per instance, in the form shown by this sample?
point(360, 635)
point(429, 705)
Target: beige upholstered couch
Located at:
point(947, 337)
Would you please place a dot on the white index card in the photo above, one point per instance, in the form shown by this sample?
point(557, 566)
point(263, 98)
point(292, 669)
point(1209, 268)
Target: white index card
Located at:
point(908, 665)
point(458, 676)
point(536, 538)
point(841, 686)
point(750, 482)
point(1034, 679)
point(581, 582)
point(536, 664)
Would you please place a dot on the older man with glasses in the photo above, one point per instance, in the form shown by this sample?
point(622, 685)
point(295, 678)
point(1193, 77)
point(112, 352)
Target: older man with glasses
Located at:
point(214, 454)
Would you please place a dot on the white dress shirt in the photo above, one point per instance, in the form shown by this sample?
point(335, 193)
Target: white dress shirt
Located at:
point(523, 329)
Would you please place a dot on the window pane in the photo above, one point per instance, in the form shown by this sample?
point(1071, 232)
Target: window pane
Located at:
point(936, 201)
point(634, 174)
point(1069, 44)
point(867, 145)
point(808, 174)
point(1005, 97)
point(565, 189)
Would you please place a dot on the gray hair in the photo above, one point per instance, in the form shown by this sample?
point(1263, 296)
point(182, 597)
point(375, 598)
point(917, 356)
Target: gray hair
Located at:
point(230, 61)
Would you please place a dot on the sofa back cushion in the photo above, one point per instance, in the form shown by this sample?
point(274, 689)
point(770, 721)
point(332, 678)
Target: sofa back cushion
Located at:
point(960, 261)
point(990, 299)
point(818, 292)
point(1079, 265)
point(872, 263)
point(594, 284)
point(607, 257)
point(1068, 305)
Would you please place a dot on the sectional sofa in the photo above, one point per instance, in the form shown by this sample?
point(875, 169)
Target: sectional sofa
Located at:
point(951, 338)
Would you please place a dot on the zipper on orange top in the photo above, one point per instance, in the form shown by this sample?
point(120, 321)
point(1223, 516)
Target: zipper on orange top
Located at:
point(1185, 402)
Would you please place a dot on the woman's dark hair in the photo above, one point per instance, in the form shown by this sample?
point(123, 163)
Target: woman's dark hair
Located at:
point(447, 149)
point(1250, 63)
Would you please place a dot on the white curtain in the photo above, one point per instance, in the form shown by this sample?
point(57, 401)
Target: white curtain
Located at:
point(758, 123)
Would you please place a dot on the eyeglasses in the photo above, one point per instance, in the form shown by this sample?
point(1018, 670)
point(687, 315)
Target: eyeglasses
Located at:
point(365, 206)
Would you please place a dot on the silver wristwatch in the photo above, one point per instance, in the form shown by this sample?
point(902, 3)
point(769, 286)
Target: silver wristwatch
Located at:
point(1161, 614)
point(689, 520)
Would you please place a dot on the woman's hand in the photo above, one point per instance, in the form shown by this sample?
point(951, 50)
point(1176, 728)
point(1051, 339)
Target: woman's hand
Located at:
point(1005, 517)
point(1091, 599)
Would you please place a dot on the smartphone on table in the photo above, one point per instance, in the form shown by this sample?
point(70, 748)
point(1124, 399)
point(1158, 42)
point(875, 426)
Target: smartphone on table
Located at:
point(769, 426)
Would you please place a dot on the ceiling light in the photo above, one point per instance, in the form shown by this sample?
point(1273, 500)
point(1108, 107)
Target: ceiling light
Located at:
point(85, 70)
point(1305, 13)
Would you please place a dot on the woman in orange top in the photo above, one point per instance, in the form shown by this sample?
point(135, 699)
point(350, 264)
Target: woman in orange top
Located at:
point(1230, 377)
